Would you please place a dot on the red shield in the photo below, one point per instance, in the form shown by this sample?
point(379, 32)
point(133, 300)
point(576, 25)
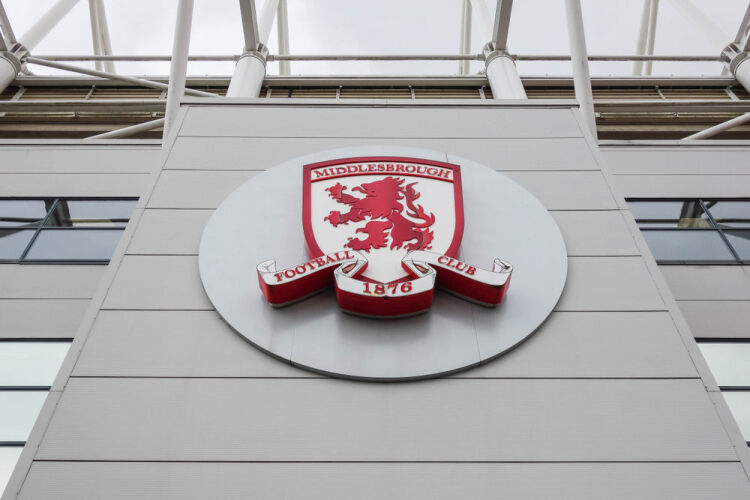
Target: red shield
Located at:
point(383, 207)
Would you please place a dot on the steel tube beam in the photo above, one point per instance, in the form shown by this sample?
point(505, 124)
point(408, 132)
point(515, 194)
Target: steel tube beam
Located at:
point(743, 33)
point(9, 68)
point(251, 67)
point(46, 23)
point(721, 127)
point(653, 14)
point(500, 67)
point(640, 47)
point(503, 77)
point(464, 37)
point(742, 73)
point(481, 18)
point(112, 76)
point(96, 38)
point(581, 76)
point(131, 130)
point(247, 79)
point(282, 29)
point(178, 67)
point(6, 27)
point(389, 57)
point(501, 24)
point(249, 25)
point(265, 22)
point(109, 66)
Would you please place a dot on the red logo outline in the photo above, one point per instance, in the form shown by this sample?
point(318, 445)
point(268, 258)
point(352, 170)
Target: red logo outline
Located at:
point(311, 245)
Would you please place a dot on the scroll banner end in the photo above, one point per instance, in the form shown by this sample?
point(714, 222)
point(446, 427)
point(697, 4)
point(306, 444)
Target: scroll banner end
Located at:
point(290, 285)
point(469, 282)
point(396, 299)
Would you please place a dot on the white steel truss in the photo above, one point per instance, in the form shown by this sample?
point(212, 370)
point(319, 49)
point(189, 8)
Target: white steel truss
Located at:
point(250, 70)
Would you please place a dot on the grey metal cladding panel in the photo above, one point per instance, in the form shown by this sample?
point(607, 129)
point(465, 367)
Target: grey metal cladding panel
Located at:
point(596, 344)
point(200, 344)
point(178, 232)
point(195, 189)
point(678, 160)
point(708, 282)
point(49, 281)
point(609, 284)
point(595, 233)
point(579, 190)
point(167, 231)
point(36, 159)
point(173, 344)
point(173, 282)
point(338, 121)
point(199, 153)
point(717, 318)
point(41, 318)
point(151, 282)
point(335, 420)
point(567, 190)
point(375, 481)
point(72, 184)
point(689, 186)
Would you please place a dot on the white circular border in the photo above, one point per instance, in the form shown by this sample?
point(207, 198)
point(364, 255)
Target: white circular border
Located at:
point(261, 220)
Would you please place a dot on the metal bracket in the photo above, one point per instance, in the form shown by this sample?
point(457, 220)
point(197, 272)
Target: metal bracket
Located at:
point(261, 54)
point(732, 56)
point(490, 52)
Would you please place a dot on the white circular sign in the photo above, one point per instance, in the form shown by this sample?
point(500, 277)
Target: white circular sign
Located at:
point(262, 220)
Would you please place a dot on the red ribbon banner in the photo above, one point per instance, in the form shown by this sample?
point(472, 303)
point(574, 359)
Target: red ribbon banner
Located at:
point(399, 298)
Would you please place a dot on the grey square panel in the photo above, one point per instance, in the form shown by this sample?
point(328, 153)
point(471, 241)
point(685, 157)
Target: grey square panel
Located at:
point(39, 318)
point(173, 344)
point(567, 190)
point(717, 318)
point(595, 233)
point(386, 481)
point(609, 284)
point(708, 282)
point(169, 232)
point(596, 344)
point(157, 282)
point(49, 281)
point(340, 121)
point(336, 420)
point(195, 189)
point(200, 153)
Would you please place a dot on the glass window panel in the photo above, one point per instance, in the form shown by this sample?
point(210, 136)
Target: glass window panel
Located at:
point(19, 412)
point(739, 405)
point(729, 362)
point(30, 363)
point(74, 244)
point(677, 224)
point(740, 241)
point(685, 214)
point(91, 213)
point(8, 458)
point(688, 246)
point(730, 213)
point(23, 212)
point(13, 242)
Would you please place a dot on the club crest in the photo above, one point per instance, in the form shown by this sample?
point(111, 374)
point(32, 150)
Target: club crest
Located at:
point(384, 231)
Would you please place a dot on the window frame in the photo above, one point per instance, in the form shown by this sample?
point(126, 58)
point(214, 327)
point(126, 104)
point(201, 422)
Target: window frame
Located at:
point(726, 340)
point(29, 388)
point(715, 226)
point(38, 229)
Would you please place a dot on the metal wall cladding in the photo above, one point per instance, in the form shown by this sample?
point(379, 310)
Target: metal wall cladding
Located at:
point(165, 399)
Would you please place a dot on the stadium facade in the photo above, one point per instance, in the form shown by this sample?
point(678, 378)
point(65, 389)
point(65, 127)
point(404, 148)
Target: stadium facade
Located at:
point(635, 386)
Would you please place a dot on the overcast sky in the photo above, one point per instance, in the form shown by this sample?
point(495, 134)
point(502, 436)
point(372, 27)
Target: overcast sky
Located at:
point(389, 27)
